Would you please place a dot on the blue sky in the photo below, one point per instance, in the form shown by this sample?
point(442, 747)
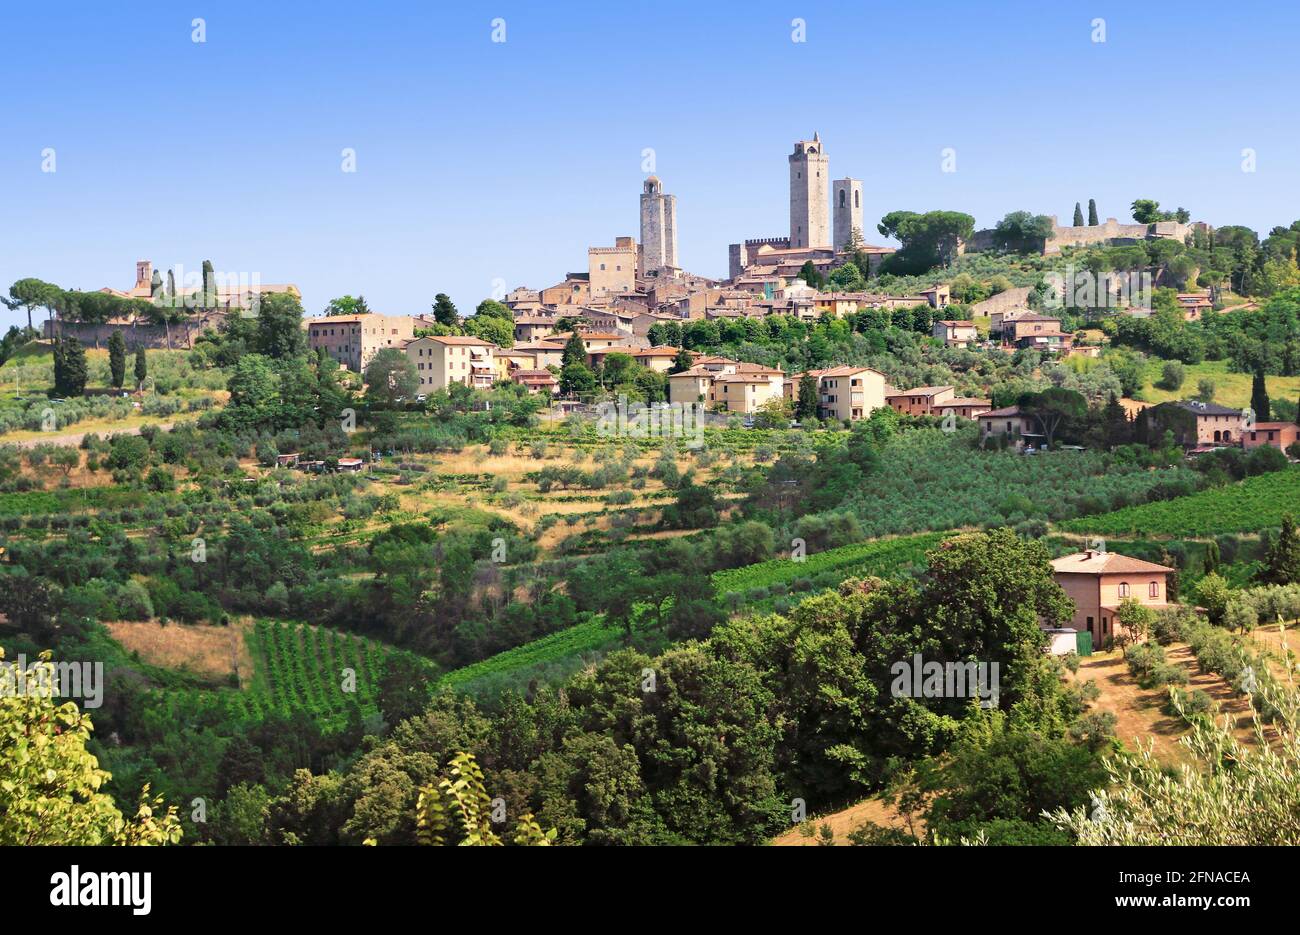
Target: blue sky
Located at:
point(479, 161)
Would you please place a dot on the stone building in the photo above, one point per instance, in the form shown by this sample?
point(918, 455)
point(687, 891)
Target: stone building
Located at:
point(353, 340)
point(846, 199)
point(809, 212)
point(658, 228)
point(612, 270)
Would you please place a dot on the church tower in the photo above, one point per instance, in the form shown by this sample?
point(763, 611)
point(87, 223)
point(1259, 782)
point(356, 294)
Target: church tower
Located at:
point(658, 228)
point(809, 212)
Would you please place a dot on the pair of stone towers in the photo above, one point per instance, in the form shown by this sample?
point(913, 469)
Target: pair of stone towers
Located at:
point(809, 213)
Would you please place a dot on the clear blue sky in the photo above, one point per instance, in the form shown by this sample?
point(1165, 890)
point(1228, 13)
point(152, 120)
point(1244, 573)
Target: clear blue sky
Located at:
point(478, 160)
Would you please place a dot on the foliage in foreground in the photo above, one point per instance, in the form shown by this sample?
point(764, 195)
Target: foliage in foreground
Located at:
point(1233, 794)
point(50, 785)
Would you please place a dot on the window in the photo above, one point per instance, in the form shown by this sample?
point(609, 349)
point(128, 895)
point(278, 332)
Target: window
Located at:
point(1123, 589)
point(1153, 590)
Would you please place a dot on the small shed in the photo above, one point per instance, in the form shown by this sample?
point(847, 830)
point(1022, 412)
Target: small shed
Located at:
point(1061, 641)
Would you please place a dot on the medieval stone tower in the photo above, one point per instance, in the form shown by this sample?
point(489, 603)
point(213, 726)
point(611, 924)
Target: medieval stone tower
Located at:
point(658, 228)
point(846, 206)
point(809, 213)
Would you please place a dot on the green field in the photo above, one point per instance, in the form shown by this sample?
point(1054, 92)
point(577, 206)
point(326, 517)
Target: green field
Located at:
point(298, 669)
point(878, 557)
point(1230, 389)
point(592, 636)
point(553, 657)
point(1248, 506)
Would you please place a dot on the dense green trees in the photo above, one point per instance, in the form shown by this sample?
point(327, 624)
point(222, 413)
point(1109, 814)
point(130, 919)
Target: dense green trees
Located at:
point(280, 334)
point(928, 239)
point(390, 378)
point(51, 786)
point(1023, 232)
point(347, 305)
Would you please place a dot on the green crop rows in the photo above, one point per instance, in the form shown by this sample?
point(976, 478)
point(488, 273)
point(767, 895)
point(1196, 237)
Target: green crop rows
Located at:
point(1249, 506)
point(879, 557)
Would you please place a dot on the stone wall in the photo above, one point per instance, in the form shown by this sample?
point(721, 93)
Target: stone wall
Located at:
point(141, 333)
point(1002, 302)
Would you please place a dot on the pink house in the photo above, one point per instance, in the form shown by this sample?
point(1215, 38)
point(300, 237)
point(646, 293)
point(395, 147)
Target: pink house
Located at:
point(1278, 434)
point(1098, 582)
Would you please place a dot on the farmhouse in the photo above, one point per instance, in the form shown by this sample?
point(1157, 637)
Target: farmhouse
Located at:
point(955, 333)
point(1215, 424)
point(1018, 428)
point(1098, 582)
point(1281, 435)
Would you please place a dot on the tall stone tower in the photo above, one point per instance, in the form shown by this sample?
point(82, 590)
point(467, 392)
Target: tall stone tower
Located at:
point(846, 208)
point(658, 228)
point(809, 176)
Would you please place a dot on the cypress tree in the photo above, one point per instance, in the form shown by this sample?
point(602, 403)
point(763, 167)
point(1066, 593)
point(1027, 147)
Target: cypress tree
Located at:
point(575, 352)
point(117, 359)
point(1092, 212)
point(141, 367)
point(808, 401)
point(209, 285)
point(1078, 215)
point(1283, 564)
point(1259, 397)
point(69, 368)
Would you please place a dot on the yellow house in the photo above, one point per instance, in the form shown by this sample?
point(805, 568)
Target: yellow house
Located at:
point(844, 393)
point(445, 359)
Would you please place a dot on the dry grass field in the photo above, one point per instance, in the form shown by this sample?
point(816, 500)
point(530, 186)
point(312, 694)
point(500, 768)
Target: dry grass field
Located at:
point(210, 652)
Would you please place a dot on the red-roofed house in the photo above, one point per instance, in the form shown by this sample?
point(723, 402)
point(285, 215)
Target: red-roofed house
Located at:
point(1098, 582)
point(1280, 435)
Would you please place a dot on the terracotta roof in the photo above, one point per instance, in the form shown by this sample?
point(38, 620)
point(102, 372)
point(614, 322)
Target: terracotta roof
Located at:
point(741, 378)
point(1084, 563)
point(458, 340)
point(1008, 411)
point(924, 391)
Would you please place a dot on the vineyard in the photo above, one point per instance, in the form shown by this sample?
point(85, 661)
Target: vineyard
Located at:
point(298, 669)
point(563, 650)
point(1249, 506)
point(884, 557)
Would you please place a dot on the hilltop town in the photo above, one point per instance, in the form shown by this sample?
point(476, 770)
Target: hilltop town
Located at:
point(648, 556)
